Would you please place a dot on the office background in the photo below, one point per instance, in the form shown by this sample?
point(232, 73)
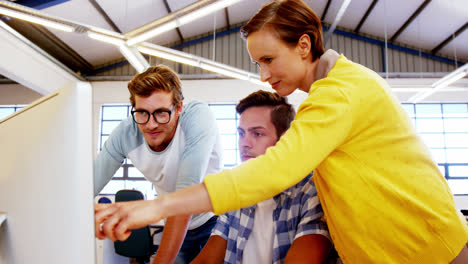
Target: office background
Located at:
point(412, 44)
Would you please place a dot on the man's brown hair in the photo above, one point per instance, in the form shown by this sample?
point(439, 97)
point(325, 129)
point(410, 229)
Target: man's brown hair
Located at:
point(290, 19)
point(282, 112)
point(156, 78)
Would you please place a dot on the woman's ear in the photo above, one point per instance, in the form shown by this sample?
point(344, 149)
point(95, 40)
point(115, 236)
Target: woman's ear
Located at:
point(304, 45)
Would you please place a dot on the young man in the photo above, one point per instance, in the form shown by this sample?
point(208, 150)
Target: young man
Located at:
point(174, 146)
point(285, 227)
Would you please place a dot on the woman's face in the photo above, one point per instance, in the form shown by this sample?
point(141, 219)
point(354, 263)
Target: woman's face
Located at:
point(280, 65)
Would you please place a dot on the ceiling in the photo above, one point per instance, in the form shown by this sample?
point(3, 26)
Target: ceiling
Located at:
point(439, 27)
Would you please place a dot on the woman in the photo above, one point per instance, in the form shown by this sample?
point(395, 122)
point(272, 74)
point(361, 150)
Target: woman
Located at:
point(384, 199)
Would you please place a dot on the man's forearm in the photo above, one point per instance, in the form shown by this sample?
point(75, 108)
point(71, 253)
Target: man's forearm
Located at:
point(172, 238)
point(311, 249)
point(213, 252)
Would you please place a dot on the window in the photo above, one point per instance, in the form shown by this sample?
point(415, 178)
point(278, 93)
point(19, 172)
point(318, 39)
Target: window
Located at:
point(444, 129)
point(129, 177)
point(6, 110)
point(227, 119)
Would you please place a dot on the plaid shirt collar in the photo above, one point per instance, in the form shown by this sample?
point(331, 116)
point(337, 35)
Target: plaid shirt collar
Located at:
point(293, 216)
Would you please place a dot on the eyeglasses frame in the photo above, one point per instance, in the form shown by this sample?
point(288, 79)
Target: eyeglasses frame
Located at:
point(152, 114)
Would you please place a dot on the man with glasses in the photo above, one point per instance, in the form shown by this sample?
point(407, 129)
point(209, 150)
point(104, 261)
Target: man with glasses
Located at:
point(174, 146)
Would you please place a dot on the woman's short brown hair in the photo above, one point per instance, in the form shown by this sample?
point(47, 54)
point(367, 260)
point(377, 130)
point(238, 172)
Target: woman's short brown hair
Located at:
point(282, 112)
point(156, 78)
point(290, 19)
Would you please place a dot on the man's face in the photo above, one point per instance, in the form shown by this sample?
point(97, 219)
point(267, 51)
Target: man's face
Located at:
point(256, 132)
point(158, 136)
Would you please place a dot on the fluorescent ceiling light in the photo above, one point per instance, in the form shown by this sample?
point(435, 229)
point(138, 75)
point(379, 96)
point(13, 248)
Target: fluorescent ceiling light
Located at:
point(36, 20)
point(133, 55)
point(182, 20)
point(442, 83)
point(223, 71)
point(134, 58)
point(337, 20)
point(189, 59)
point(106, 38)
point(153, 32)
point(218, 5)
point(173, 55)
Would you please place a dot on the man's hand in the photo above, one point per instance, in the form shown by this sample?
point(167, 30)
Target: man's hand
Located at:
point(115, 221)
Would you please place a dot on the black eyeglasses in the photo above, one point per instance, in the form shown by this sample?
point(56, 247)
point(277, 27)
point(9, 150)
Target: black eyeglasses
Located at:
point(160, 116)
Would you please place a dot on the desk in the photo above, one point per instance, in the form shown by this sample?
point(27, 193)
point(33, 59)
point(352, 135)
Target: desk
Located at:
point(2, 218)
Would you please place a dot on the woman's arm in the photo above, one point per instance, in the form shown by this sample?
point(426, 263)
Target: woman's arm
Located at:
point(322, 124)
point(116, 220)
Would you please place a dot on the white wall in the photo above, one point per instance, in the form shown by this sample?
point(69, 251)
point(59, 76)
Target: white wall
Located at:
point(24, 62)
point(16, 94)
point(461, 201)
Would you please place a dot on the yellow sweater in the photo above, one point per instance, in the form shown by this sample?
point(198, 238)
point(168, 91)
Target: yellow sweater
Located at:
point(384, 199)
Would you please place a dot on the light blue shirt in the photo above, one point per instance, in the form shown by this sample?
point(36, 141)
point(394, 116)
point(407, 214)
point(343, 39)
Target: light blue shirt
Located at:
point(194, 152)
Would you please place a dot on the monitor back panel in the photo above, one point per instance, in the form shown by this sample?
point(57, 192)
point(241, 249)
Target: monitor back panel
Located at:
point(46, 186)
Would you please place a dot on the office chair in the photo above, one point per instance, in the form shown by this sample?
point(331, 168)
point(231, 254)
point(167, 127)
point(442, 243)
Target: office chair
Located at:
point(104, 200)
point(465, 213)
point(140, 243)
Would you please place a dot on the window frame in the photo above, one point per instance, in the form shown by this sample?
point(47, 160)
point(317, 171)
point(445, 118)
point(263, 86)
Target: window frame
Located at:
point(14, 107)
point(414, 116)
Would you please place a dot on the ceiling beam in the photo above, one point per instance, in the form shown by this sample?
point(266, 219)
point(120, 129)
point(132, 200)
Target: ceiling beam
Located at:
point(169, 10)
point(235, 30)
point(105, 16)
point(410, 19)
point(337, 20)
point(364, 18)
point(449, 38)
point(39, 4)
point(27, 64)
point(48, 42)
point(226, 14)
point(326, 10)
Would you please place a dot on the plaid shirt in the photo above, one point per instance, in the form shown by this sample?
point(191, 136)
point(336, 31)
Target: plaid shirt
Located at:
point(298, 212)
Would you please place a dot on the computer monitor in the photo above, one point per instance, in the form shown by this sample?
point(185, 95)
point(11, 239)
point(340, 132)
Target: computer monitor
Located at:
point(46, 185)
